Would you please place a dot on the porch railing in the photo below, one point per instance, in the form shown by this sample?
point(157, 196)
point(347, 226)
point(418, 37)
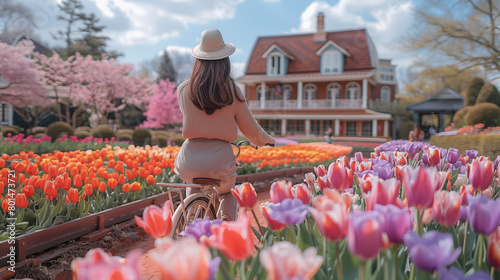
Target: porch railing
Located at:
point(307, 104)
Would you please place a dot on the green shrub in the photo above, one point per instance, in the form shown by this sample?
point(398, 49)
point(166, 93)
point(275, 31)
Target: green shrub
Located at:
point(125, 137)
point(83, 128)
point(486, 113)
point(472, 91)
point(8, 129)
point(38, 129)
point(142, 137)
point(103, 131)
point(58, 129)
point(486, 144)
point(460, 117)
point(489, 93)
point(39, 135)
point(178, 139)
point(162, 140)
point(124, 130)
point(82, 134)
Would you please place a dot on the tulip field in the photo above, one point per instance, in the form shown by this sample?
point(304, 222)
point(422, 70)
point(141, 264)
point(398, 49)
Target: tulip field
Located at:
point(410, 211)
point(53, 188)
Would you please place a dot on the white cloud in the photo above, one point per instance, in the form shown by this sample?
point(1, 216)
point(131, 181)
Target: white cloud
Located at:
point(385, 21)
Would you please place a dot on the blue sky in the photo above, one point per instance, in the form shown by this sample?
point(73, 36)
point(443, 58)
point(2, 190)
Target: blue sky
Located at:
point(141, 29)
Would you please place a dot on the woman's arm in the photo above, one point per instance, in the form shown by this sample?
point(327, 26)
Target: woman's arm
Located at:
point(249, 126)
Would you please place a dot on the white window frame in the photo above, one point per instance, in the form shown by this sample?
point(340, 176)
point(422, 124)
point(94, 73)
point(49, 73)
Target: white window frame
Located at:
point(257, 92)
point(385, 94)
point(329, 89)
point(310, 91)
point(350, 93)
point(331, 62)
point(275, 64)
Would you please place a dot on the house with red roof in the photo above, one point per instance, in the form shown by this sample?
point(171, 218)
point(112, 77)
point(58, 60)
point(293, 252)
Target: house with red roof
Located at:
point(305, 84)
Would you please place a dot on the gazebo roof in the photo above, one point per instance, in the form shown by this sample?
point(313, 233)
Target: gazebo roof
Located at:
point(449, 101)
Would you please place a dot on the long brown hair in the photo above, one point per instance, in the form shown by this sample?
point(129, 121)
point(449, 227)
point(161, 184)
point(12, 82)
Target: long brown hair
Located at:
point(211, 86)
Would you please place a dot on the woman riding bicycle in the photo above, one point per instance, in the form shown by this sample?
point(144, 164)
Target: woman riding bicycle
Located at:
point(213, 108)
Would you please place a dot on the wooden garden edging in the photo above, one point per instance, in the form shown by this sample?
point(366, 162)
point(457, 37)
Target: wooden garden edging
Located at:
point(41, 240)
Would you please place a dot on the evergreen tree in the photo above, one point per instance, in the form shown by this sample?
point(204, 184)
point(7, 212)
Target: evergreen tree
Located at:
point(166, 69)
point(72, 14)
point(488, 93)
point(472, 91)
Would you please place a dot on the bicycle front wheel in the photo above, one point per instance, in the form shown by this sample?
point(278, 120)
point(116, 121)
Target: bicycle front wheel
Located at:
point(196, 207)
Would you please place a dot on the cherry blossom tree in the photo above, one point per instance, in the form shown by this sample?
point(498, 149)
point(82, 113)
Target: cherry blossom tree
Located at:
point(20, 80)
point(163, 108)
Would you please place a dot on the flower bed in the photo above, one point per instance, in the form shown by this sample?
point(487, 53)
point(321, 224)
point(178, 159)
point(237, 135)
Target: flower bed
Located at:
point(409, 212)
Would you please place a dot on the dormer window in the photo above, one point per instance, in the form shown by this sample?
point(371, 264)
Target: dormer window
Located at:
point(330, 62)
point(275, 64)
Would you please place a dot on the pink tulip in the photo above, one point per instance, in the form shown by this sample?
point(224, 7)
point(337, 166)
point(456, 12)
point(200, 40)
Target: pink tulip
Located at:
point(245, 195)
point(446, 208)
point(481, 174)
point(433, 156)
point(280, 191)
point(310, 178)
point(383, 192)
point(339, 176)
point(301, 191)
point(420, 185)
point(364, 234)
point(331, 217)
point(233, 239)
point(323, 183)
point(156, 221)
point(98, 264)
point(320, 171)
point(284, 260)
point(182, 260)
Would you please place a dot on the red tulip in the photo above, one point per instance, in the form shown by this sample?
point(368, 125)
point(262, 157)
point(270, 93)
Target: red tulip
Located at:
point(331, 215)
point(420, 185)
point(102, 187)
point(493, 253)
point(383, 192)
point(135, 186)
point(320, 171)
point(156, 221)
point(339, 176)
point(481, 174)
point(77, 181)
point(301, 191)
point(28, 190)
point(73, 195)
point(245, 195)
point(433, 156)
point(21, 200)
point(233, 239)
point(88, 189)
point(150, 180)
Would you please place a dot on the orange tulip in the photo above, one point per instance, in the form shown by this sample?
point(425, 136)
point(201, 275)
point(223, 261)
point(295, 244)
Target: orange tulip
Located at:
point(28, 190)
point(49, 190)
point(233, 239)
point(129, 174)
point(5, 206)
point(150, 180)
point(2, 162)
point(143, 172)
point(77, 181)
point(112, 183)
point(59, 182)
point(18, 166)
point(21, 200)
point(95, 182)
point(52, 171)
point(121, 179)
point(102, 187)
point(32, 169)
point(73, 195)
point(88, 189)
point(21, 178)
point(172, 257)
point(2, 187)
point(111, 163)
point(246, 195)
point(126, 188)
point(135, 187)
point(156, 221)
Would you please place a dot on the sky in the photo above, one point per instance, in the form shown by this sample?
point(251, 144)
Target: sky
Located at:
point(142, 29)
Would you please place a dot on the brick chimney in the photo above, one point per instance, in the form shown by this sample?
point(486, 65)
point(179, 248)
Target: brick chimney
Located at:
point(320, 35)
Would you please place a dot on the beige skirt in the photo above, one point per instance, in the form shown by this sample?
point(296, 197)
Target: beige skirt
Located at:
point(209, 158)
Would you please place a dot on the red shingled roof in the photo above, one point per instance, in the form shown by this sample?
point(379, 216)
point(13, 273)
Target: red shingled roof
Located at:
point(303, 49)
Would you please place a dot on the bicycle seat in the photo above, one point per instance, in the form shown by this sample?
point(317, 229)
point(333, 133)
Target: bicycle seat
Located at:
point(207, 181)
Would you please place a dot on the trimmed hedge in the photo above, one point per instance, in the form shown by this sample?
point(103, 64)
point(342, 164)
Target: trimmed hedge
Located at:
point(142, 137)
point(486, 144)
point(103, 131)
point(58, 129)
point(485, 113)
point(6, 130)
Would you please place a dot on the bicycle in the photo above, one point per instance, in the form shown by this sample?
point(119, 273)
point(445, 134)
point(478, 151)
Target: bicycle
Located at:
point(200, 204)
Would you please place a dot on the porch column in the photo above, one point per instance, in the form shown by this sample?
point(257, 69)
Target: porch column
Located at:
point(10, 121)
point(374, 128)
point(262, 95)
point(386, 128)
point(336, 130)
point(308, 127)
point(283, 127)
point(364, 98)
point(299, 95)
point(441, 122)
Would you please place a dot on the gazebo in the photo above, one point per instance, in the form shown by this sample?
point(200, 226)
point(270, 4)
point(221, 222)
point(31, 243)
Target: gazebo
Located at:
point(448, 102)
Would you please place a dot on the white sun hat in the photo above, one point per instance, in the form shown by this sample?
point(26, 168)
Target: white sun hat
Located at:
point(212, 46)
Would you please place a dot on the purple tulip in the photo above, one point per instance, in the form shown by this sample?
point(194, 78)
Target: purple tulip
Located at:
point(289, 211)
point(432, 251)
point(463, 214)
point(200, 227)
point(457, 164)
point(453, 155)
point(472, 154)
point(496, 163)
point(463, 169)
point(396, 221)
point(425, 159)
point(483, 213)
point(456, 274)
point(384, 169)
point(364, 234)
point(213, 267)
point(358, 156)
point(413, 147)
